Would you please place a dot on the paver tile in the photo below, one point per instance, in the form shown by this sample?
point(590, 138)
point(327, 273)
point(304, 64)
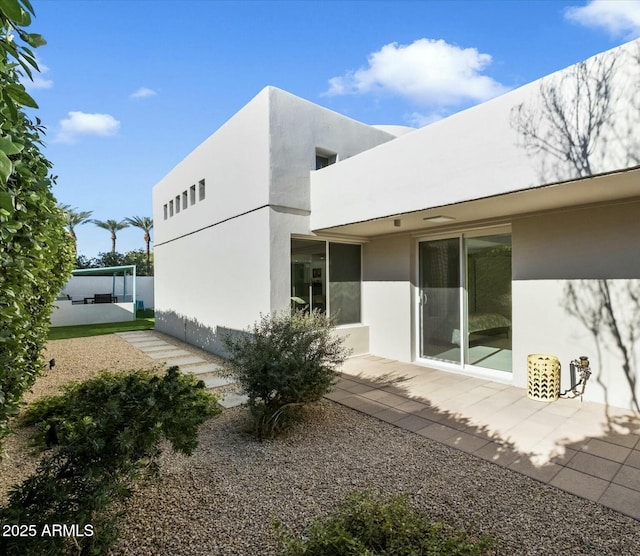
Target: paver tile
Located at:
point(233, 399)
point(579, 483)
point(188, 360)
point(497, 453)
point(628, 477)
point(413, 423)
point(168, 353)
point(544, 472)
point(390, 415)
point(465, 442)
point(634, 459)
point(594, 465)
point(607, 450)
point(217, 381)
point(153, 348)
point(437, 432)
point(202, 369)
point(622, 499)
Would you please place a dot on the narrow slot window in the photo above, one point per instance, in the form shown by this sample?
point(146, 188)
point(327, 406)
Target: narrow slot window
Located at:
point(201, 190)
point(192, 195)
point(170, 208)
point(184, 200)
point(166, 212)
point(177, 204)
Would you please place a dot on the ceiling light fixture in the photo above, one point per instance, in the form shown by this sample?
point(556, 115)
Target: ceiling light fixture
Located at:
point(439, 219)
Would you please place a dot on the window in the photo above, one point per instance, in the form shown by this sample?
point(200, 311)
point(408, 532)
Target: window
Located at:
point(177, 204)
point(345, 282)
point(184, 200)
point(192, 195)
point(170, 208)
point(313, 282)
point(324, 158)
point(201, 191)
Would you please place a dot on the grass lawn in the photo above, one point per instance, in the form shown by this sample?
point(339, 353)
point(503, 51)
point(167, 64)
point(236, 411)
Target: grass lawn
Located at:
point(145, 321)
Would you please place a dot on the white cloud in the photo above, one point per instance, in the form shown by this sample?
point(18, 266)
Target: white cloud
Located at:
point(143, 92)
point(427, 71)
point(81, 123)
point(40, 81)
point(620, 18)
point(418, 119)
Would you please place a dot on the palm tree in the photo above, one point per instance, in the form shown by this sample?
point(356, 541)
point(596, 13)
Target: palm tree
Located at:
point(145, 224)
point(112, 226)
point(74, 217)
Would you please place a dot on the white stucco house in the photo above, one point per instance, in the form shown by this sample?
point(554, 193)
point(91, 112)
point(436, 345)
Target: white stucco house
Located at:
point(508, 229)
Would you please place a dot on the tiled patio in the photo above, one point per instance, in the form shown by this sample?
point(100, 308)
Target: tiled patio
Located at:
point(588, 449)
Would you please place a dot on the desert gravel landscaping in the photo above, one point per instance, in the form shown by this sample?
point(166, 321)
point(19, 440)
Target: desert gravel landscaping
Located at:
point(223, 499)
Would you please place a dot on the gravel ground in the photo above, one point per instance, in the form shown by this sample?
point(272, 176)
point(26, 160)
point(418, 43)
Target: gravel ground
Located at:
point(222, 500)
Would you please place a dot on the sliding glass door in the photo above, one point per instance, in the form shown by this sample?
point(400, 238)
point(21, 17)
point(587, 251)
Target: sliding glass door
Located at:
point(464, 300)
point(439, 299)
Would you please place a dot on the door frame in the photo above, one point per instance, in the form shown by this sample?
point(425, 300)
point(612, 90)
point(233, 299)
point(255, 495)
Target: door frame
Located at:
point(462, 367)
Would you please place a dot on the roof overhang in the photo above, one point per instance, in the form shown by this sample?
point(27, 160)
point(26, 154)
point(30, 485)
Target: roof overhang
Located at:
point(106, 271)
point(622, 186)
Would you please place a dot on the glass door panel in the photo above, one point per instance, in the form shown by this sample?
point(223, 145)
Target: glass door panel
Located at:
point(439, 300)
point(488, 268)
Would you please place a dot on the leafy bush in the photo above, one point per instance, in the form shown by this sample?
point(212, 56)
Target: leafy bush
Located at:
point(36, 252)
point(286, 361)
point(365, 525)
point(103, 434)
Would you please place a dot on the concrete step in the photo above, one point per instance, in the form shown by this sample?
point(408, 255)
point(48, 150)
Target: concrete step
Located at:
point(188, 360)
point(202, 369)
point(233, 399)
point(217, 381)
point(168, 353)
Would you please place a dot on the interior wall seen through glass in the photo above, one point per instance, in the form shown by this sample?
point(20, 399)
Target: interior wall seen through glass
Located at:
point(488, 262)
point(308, 275)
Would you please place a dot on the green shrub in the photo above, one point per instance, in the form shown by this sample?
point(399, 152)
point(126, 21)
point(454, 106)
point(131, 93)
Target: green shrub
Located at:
point(286, 361)
point(366, 525)
point(102, 435)
point(36, 252)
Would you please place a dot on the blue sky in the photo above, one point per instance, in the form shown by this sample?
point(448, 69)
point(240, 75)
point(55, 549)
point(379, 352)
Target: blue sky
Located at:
point(128, 88)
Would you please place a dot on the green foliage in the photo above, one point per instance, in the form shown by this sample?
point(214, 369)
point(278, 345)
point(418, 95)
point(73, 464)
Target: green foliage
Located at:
point(137, 257)
point(74, 217)
point(101, 435)
point(286, 361)
point(36, 253)
point(145, 223)
point(112, 226)
point(366, 525)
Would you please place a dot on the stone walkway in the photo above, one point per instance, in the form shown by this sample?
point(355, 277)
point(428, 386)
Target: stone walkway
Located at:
point(190, 360)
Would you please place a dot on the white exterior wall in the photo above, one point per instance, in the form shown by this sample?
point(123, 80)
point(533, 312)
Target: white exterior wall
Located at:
point(66, 314)
point(582, 248)
point(298, 127)
point(79, 287)
point(470, 155)
point(234, 162)
point(387, 296)
point(213, 280)
point(212, 259)
point(222, 262)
